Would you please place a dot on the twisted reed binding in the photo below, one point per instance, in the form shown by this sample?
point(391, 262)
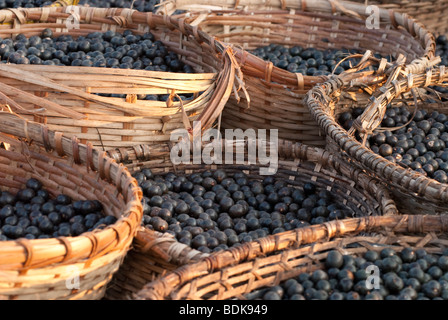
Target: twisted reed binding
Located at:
point(40, 269)
point(235, 273)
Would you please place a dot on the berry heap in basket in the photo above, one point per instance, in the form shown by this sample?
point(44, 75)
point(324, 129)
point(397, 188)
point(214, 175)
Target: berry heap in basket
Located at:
point(442, 52)
point(104, 50)
point(32, 214)
point(109, 49)
point(307, 61)
point(419, 143)
point(404, 275)
point(214, 210)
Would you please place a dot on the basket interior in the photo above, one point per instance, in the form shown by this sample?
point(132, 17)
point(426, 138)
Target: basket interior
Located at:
point(297, 174)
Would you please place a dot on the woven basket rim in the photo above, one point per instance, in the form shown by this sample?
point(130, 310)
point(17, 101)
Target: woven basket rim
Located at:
point(423, 11)
point(414, 183)
point(315, 163)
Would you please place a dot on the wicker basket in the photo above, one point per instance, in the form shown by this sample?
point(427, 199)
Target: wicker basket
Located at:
point(234, 273)
point(415, 193)
point(41, 268)
point(276, 95)
point(430, 13)
point(64, 3)
point(155, 254)
point(66, 98)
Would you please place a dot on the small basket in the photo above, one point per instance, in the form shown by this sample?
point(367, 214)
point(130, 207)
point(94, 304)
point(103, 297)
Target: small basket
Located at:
point(45, 268)
point(415, 193)
point(236, 273)
point(430, 13)
point(276, 95)
point(154, 254)
point(68, 98)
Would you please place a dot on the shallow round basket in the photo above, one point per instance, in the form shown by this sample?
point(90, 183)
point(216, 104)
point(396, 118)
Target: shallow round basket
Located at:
point(431, 13)
point(45, 269)
point(276, 95)
point(155, 254)
point(243, 272)
point(415, 193)
point(83, 102)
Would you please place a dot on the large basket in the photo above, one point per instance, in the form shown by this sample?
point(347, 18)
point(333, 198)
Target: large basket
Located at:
point(64, 3)
point(430, 13)
point(155, 254)
point(415, 193)
point(234, 274)
point(67, 99)
point(276, 95)
point(44, 268)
